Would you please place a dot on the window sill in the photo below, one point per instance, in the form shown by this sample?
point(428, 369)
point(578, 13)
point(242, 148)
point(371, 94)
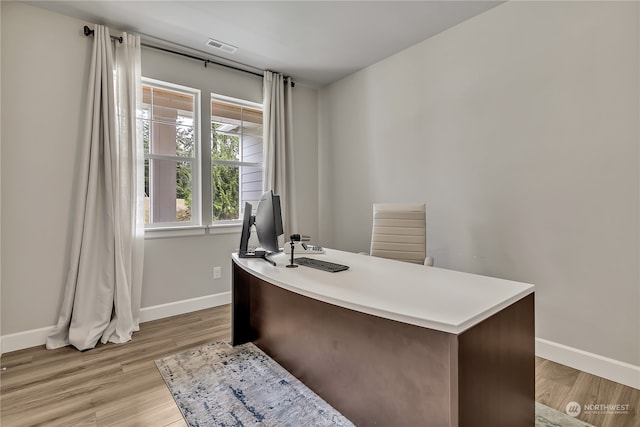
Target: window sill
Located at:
point(170, 232)
point(162, 233)
point(225, 228)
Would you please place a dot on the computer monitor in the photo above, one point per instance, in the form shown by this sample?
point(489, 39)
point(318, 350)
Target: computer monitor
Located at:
point(247, 223)
point(268, 221)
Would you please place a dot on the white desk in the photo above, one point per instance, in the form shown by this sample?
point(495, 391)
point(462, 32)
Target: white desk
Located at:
point(390, 343)
point(436, 298)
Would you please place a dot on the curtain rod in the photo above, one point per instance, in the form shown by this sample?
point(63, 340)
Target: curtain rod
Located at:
point(89, 32)
point(205, 60)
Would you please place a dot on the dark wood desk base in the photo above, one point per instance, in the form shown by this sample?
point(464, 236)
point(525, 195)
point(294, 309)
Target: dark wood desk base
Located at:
point(380, 372)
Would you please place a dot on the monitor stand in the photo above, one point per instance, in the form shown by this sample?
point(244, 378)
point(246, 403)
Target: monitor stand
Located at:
point(257, 254)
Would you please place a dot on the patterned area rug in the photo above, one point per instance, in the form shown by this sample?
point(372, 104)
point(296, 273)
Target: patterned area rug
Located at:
point(221, 385)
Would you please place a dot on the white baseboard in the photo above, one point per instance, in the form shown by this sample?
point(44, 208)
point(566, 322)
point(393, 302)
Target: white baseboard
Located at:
point(185, 306)
point(36, 337)
point(26, 339)
point(611, 369)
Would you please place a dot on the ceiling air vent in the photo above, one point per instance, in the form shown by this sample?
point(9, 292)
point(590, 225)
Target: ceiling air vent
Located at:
point(221, 46)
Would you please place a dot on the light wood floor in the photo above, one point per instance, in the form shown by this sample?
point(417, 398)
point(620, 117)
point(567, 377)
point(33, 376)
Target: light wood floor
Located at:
point(111, 385)
point(557, 385)
point(119, 385)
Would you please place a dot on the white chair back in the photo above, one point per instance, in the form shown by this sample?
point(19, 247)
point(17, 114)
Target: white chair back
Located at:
point(399, 232)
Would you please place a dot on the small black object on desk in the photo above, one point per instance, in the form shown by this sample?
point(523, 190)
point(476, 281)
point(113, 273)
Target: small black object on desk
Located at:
point(294, 238)
point(257, 254)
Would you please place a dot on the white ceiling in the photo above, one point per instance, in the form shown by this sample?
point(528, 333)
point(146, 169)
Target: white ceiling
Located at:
point(315, 42)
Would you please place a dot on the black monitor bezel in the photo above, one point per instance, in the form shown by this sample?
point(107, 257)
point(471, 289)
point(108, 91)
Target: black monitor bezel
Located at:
point(247, 222)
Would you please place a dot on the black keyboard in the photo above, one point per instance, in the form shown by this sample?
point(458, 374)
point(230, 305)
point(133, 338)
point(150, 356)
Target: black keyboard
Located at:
point(321, 265)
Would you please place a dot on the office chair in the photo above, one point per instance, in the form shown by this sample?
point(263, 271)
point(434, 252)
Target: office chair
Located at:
point(400, 232)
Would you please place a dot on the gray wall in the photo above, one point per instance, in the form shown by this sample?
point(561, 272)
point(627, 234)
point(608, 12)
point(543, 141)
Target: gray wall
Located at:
point(44, 77)
point(519, 129)
point(43, 85)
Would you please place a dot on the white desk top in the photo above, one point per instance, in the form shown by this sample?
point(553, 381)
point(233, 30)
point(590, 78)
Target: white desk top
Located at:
point(431, 297)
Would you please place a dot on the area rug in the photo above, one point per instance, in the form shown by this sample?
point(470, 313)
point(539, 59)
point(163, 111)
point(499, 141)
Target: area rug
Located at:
point(221, 385)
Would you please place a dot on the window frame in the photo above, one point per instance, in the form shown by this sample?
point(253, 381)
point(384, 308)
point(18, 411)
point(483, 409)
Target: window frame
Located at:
point(196, 160)
point(238, 163)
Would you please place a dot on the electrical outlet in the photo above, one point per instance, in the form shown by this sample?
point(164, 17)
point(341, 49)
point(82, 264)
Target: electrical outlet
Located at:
point(217, 272)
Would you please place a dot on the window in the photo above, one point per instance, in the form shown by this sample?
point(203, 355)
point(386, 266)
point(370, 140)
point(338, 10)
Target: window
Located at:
point(236, 156)
point(174, 156)
point(170, 118)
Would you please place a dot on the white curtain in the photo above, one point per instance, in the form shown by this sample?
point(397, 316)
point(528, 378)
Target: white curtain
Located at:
point(102, 295)
point(279, 173)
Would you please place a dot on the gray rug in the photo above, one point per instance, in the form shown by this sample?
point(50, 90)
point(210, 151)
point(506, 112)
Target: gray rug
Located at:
point(221, 385)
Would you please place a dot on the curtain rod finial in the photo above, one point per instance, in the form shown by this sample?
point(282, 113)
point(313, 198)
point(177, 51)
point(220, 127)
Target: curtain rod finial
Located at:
point(89, 32)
